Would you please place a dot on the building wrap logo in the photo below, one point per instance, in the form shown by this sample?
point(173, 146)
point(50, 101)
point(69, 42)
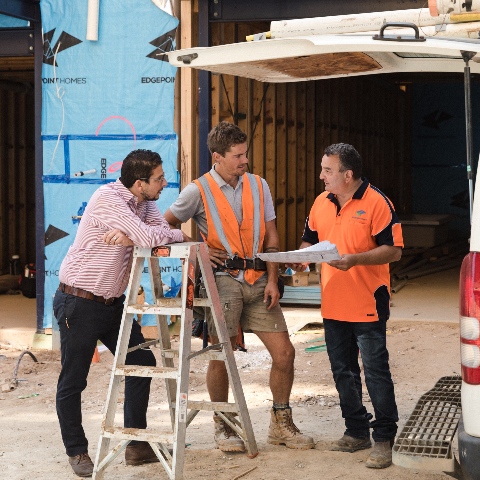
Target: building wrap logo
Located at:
point(65, 40)
point(359, 213)
point(50, 55)
point(164, 43)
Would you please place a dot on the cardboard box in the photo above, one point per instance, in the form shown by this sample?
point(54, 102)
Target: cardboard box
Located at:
point(299, 279)
point(314, 278)
point(425, 230)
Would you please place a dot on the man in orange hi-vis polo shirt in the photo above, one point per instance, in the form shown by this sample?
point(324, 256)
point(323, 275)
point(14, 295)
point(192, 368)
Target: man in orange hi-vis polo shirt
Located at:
point(361, 221)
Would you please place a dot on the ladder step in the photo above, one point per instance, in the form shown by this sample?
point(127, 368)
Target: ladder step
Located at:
point(208, 355)
point(154, 310)
point(149, 343)
point(202, 302)
point(212, 406)
point(139, 434)
point(165, 306)
point(170, 353)
point(143, 371)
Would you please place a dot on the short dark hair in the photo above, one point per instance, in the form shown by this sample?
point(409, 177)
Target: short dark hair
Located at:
point(139, 164)
point(350, 159)
point(224, 136)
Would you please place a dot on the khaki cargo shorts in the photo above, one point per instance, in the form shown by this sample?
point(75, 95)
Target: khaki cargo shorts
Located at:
point(243, 304)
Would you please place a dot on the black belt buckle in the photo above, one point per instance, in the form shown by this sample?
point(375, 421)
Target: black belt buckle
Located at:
point(109, 301)
point(259, 264)
point(235, 263)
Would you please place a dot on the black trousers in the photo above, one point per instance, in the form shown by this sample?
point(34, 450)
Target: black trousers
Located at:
point(82, 323)
point(342, 339)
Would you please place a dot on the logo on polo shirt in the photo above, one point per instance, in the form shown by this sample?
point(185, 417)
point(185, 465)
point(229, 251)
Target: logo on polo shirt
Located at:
point(360, 217)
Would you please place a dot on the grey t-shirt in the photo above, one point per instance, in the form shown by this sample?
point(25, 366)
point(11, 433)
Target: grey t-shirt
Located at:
point(189, 203)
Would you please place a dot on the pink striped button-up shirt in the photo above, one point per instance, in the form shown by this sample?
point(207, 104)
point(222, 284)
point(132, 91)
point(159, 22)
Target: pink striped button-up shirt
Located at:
point(104, 269)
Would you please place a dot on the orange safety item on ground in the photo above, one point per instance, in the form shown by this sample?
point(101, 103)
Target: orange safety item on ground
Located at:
point(96, 356)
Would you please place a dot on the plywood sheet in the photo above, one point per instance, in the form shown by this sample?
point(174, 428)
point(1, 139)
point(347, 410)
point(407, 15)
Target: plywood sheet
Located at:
point(326, 64)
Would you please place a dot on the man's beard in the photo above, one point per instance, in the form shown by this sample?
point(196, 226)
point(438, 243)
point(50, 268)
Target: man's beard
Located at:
point(150, 198)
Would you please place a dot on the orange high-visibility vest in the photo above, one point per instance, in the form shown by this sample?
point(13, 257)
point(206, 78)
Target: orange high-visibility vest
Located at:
point(223, 229)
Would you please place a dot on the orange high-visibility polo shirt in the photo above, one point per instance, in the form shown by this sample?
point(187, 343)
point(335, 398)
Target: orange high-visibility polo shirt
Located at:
point(363, 292)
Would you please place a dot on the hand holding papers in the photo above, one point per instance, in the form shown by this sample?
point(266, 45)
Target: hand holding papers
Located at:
point(318, 253)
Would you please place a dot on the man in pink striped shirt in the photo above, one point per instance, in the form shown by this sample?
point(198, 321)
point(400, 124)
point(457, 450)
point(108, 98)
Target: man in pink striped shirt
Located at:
point(88, 304)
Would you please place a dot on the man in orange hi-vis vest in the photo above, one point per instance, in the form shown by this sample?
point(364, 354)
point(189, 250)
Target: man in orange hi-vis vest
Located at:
point(234, 212)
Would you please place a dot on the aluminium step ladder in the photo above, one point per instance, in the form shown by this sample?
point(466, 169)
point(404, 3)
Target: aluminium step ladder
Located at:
point(175, 364)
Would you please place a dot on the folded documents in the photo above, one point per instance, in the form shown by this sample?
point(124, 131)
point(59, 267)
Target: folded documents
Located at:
point(318, 253)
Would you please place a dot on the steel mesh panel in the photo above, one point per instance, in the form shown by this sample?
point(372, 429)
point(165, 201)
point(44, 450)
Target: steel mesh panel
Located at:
point(432, 425)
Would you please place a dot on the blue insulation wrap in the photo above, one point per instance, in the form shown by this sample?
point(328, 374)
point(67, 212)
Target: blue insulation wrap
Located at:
point(12, 22)
point(101, 100)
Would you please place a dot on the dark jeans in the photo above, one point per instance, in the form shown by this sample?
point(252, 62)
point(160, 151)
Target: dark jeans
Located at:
point(342, 339)
point(81, 323)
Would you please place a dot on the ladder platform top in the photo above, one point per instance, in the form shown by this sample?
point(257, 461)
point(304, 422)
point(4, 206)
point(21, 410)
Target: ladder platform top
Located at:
point(171, 250)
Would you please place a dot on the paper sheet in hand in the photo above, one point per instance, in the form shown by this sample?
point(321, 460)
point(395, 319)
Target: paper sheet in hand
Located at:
point(320, 252)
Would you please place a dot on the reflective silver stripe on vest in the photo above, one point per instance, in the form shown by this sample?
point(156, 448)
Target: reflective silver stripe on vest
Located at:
point(256, 211)
point(212, 206)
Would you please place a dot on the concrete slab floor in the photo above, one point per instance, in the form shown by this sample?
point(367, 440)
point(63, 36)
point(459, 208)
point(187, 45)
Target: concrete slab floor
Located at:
point(430, 298)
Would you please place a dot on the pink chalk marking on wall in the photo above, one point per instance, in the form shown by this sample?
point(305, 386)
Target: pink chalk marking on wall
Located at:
point(115, 167)
point(128, 122)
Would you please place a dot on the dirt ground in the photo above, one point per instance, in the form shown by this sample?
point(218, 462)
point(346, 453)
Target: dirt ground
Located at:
point(31, 447)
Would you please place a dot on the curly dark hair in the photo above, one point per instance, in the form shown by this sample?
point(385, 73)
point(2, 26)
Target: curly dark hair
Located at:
point(224, 136)
point(139, 164)
point(350, 159)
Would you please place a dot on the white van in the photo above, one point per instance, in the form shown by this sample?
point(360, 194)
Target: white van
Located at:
point(442, 38)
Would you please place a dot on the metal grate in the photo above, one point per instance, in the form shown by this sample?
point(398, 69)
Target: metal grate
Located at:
point(425, 441)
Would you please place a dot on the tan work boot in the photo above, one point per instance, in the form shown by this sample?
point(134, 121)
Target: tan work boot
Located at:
point(350, 444)
point(381, 455)
point(226, 439)
point(282, 431)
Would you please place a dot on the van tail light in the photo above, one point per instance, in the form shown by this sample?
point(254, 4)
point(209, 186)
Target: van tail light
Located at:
point(470, 318)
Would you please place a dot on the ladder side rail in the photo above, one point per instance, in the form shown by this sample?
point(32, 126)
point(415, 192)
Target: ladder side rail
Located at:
point(119, 358)
point(181, 417)
point(234, 377)
point(164, 344)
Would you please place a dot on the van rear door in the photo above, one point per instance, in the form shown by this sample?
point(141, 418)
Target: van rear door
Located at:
point(317, 57)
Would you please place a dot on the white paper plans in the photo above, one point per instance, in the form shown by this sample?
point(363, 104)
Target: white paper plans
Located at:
point(318, 253)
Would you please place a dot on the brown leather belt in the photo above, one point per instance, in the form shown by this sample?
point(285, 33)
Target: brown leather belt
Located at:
point(79, 292)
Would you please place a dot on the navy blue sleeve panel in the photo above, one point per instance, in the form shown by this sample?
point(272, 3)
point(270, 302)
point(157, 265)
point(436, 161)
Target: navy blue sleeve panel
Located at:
point(309, 235)
point(385, 237)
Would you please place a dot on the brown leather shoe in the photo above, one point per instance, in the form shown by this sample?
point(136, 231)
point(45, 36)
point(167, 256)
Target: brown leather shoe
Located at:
point(82, 465)
point(139, 454)
point(350, 444)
